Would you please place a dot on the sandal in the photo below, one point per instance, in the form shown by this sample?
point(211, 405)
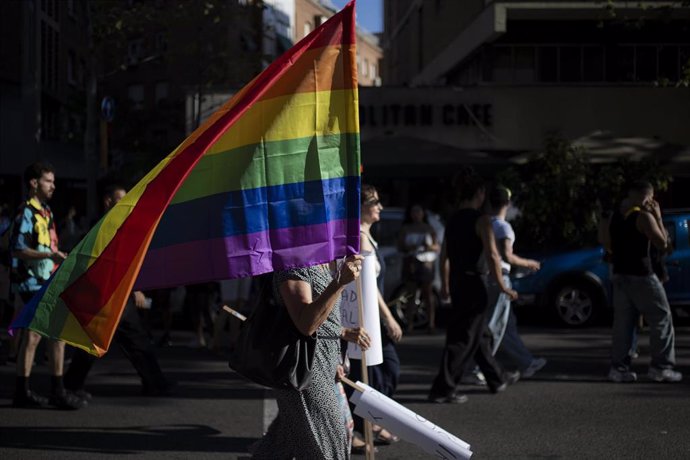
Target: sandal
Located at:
point(385, 440)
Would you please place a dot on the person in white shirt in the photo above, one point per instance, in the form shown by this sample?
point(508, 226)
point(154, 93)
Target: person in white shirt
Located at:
point(507, 344)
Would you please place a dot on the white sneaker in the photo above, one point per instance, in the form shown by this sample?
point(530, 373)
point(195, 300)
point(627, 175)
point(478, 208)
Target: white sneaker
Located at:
point(474, 378)
point(622, 375)
point(534, 367)
point(664, 375)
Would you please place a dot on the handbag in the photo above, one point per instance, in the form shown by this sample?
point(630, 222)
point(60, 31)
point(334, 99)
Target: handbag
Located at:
point(270, 350)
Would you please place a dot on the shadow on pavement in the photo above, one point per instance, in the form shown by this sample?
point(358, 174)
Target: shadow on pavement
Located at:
point(123, 440)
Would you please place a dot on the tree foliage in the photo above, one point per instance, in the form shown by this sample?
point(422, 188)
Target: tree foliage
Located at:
point(662, 13)
point(560, 194)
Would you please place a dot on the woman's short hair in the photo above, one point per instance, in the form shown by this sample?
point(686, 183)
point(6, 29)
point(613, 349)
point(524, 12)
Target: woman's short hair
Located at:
point(368, 192)
point(499, 197)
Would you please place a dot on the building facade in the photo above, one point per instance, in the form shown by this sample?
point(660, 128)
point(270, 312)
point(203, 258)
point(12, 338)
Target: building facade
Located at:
point(44, 50)
point(489, 81)
point(309, 14)
point(163, 69)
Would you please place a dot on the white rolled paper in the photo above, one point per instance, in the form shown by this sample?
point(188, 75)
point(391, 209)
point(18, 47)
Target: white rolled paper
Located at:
point(410, 426)
point(349, 309)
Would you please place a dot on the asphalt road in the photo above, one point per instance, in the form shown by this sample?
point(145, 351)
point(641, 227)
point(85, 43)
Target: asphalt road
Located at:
point(568, 410)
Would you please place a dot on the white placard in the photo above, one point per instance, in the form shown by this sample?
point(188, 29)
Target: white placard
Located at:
point(349, 309)
point(396, 418)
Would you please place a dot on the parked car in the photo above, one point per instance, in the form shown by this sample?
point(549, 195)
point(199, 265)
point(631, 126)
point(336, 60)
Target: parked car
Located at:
point(575, 285)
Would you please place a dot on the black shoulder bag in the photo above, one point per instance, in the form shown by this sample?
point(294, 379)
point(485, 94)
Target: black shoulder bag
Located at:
point(269, 349)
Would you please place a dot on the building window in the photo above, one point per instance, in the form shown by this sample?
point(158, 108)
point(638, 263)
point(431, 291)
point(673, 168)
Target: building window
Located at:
point(547, 62)
point(135, 94)
point(49, 118)
point(684, 60)
point(135, 50)
point(307, 28)
point(49, 56)
point(592, 63)
point(570, 64)
point(161, 92)
point(668, 62)
point(620, 63)
point(579, 63)
point(500, 68)
point(365, 68)
point(160, 137)
point(646, 63)
point(50, 8)
point(71, 68)
point(372, 71)
point(82, 73)
point(524, 70)
point(161, 42)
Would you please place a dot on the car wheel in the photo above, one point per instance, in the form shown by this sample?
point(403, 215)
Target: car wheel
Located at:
point(576, 303)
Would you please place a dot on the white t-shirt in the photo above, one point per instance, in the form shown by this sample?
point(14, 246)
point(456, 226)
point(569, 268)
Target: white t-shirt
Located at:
point(503, 230)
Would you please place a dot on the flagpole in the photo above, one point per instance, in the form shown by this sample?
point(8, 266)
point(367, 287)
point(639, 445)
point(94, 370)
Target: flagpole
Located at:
point(351, 384)
point(368, 431)
point(235, 313)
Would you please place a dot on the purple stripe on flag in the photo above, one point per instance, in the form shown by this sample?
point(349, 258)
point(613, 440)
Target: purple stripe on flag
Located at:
point(246, 255)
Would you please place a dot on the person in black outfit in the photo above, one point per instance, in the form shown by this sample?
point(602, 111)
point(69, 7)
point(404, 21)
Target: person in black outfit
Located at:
point(130, 335)
point(468, 234)
point(637, 289)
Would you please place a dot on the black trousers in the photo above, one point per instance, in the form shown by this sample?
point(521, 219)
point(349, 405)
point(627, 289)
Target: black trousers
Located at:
point(467, 337)
point(134, 342)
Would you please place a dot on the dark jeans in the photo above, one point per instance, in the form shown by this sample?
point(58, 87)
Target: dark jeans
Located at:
point(134, 342)
point(467, 337)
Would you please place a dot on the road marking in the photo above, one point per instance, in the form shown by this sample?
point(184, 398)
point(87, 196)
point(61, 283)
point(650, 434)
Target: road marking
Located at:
point(270, 409)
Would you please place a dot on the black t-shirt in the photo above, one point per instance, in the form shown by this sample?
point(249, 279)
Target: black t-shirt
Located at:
point(463, 245)
point(629, 247)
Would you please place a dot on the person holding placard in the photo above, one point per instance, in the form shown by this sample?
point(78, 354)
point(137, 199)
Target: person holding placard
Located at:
point(384, 376)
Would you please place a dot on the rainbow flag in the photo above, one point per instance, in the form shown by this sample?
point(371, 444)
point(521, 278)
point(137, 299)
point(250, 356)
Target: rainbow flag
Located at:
point(270, 181)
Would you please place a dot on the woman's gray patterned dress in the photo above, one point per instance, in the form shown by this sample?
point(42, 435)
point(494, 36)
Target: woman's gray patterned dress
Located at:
point(309, 424)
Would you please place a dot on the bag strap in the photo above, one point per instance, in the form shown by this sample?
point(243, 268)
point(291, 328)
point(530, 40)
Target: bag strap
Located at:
point(631, 211)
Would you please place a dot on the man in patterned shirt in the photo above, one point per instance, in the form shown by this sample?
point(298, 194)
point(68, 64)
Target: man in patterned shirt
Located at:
point(35, 256)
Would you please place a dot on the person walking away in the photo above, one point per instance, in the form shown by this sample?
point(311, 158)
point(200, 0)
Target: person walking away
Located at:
point(507, 344)
point(130, 335)
point(468, 234)
point(35, 257)
point(636, 289)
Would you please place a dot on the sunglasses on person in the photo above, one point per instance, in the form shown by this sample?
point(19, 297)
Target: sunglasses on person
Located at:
point(374, 202)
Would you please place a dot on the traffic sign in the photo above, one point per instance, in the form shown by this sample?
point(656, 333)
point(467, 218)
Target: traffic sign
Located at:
point(107, 108)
